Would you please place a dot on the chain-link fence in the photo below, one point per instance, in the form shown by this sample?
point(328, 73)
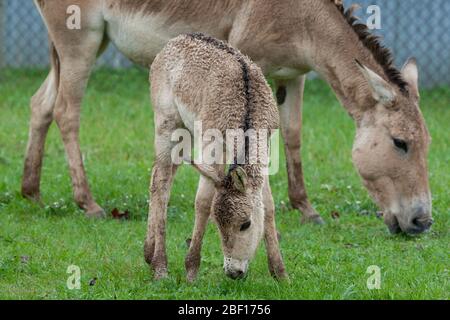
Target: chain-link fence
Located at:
point(419, 28)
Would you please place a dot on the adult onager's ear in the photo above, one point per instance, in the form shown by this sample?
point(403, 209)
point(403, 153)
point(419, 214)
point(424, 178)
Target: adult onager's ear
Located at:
point(207, 171)
point(410, 73)
point(239, 177)
point(382, 91)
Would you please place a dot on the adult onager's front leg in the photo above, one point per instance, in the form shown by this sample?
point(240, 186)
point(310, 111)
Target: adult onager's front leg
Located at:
point(203, 200)
point(290, 100)
point(73, 80)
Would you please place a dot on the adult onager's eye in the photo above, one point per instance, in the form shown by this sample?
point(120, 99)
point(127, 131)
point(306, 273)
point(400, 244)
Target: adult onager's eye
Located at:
point(246, 225)
point(400, 144)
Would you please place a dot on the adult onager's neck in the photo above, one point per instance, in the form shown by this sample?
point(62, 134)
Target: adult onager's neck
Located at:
point(334, 49)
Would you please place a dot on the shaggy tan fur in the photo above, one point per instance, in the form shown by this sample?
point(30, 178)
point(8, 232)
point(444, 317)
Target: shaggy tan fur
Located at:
point(198, 78)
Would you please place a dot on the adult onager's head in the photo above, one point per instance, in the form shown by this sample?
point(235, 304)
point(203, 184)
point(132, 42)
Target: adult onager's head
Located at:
point(390, 151)
point(391, 145)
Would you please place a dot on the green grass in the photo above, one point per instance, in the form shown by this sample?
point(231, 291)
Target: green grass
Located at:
point(37, 244)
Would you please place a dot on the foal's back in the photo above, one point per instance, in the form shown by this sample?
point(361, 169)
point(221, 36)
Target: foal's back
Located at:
point(206, 80)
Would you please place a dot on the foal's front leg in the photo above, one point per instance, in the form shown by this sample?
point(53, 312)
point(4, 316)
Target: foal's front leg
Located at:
point(203, 202)
point(162, 178)
point(155, 245)
point(276, 264)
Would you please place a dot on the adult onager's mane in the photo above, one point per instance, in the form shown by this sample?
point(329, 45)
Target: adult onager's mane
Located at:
point(372, 42)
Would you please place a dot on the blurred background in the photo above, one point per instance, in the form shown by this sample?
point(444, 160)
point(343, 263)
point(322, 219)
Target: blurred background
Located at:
point(419, 28)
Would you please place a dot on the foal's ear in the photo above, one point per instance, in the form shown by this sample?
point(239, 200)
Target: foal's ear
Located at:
point(410, 73)
point(239, 177)
point(207, 171)
point(381, 90)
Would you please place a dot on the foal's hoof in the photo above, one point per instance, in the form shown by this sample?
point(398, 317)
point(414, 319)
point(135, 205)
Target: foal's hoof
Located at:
point(192, 271)
point(279, 273)
point(191, 276)
point(317, 220)
point(160, 274)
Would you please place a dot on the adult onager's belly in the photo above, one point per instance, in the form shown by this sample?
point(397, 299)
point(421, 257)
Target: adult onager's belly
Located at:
point(141, 36)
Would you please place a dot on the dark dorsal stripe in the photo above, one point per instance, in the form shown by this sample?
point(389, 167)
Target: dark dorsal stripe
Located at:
point(221, 45)
point(372, 42)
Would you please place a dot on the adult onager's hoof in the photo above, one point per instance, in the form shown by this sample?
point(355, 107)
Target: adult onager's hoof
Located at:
point(96, 215)
point(283, 277)
point(32, 196)
point(316, 219)
point(96, 212)
point(309, 213)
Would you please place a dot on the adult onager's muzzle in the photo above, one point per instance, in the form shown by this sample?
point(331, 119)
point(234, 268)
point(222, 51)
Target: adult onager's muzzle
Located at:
point(418, 220)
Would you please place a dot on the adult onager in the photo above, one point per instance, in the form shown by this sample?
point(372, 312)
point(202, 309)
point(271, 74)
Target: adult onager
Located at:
point(197, 78)
point(286, 39)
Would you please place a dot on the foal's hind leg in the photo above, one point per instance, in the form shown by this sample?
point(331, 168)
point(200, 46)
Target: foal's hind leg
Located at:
point(167, 120)
point(290, 100)
point(42, 105)
point(203, 200)
point(149, 245)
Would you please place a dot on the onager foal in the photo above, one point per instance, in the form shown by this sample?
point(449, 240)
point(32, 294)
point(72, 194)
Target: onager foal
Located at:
point(200, 79)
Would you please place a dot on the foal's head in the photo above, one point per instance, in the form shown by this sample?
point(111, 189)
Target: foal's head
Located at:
point(238, 210)
point(390, 152)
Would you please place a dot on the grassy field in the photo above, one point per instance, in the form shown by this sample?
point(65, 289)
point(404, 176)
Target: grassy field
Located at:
point(37, 244)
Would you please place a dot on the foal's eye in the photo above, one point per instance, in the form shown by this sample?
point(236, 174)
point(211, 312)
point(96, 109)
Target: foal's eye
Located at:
point(401, 144)
point(246, 225)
